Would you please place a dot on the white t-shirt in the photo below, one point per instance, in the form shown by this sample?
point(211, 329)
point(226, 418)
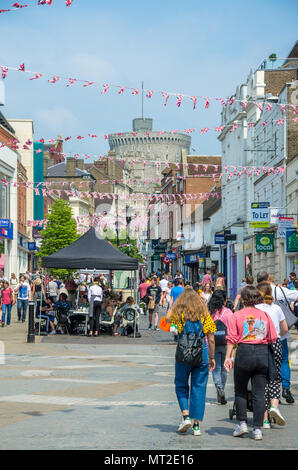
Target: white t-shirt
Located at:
point(275, 313)
point(53, 289)
point(97, 291)
point(163, 284)
point(291, 295)
point(24, 290)
point(206, 295)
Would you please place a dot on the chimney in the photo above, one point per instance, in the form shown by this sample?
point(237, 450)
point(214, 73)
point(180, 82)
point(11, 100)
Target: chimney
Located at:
point(71, 164)
point(80, 164)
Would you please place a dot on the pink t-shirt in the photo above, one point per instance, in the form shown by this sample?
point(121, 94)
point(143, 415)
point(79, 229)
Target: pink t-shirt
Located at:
point(6, 296)
point(223, 316)
point(143, 289)
point(251, 326)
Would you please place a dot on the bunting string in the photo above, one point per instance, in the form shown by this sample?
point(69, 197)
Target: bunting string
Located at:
point(196, 100)
point(19, 6)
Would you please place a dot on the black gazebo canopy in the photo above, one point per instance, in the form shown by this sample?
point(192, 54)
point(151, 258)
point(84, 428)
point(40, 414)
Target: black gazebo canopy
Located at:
point(90, 252)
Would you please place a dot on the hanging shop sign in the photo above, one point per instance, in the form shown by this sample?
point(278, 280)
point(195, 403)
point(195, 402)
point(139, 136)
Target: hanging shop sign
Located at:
point(194, 258)
point(6, 233)
point(260, 214)
point(292, 241)
point(265, 242)
point(171, 256)
point(219, 240)
point(32, 246)
point(4, 223)
point(284, 223)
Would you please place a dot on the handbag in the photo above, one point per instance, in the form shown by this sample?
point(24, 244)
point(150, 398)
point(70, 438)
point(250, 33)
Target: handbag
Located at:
point(164, 325)
point(291, 319)
point(151, 304)
point(189, 349)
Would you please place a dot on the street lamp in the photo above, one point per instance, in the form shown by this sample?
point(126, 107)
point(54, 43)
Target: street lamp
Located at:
point(128, 220)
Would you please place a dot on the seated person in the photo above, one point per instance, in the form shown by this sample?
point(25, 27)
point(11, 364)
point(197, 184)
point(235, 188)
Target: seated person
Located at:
point(62, 302)
point(83, 301)
point(47, 314)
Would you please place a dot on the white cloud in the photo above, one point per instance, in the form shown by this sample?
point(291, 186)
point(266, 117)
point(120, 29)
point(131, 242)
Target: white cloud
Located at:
point(89, 67)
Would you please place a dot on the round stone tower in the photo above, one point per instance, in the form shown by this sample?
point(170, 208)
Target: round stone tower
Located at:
point(145, 144)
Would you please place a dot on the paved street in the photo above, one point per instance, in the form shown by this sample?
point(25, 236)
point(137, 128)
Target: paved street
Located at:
point(102, 393)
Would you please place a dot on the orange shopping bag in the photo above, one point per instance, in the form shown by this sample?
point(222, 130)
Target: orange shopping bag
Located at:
point(164, 325)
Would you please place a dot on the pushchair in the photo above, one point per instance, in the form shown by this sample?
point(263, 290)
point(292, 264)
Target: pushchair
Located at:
point(63, 322)
point(249, 407)
point(130, 323)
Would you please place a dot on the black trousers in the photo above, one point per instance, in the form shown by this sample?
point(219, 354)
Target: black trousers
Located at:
point(94, 320)
point(251, 363)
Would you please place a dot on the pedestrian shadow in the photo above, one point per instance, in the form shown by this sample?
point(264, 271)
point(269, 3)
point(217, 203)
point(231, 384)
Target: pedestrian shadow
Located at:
point(219, 430)
point(164, 428)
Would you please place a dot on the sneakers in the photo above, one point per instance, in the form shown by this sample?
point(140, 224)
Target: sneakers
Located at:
point(257, 434)
point(288, 396)
point(221, 396)
point(196, 430)
point(276, 414)
point(185, 425)
point(150, 326)
point(156, 328)
point(53, 332)
point(240, 430)
point(266, 424)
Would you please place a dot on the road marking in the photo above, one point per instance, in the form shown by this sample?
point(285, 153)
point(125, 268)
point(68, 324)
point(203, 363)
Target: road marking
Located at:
point(68, 401)
point(37, 373)
point(78, 401)
point(83, 381)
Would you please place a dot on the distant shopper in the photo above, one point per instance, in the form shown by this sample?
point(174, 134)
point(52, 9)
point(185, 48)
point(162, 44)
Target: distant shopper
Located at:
point(221, 315)
point(272, 389)
point(23, 290)
point(191, 316)
point(176, 291)
point(220, 282)
point(206, 292)
point(249, 280)
point(251, 329)
point(206, 279)
point(7, 301)
point(53, 289)
point(154, 294)
point(13, 281)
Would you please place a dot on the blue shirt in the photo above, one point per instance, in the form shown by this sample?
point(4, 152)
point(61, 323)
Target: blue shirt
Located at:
point(176, 291)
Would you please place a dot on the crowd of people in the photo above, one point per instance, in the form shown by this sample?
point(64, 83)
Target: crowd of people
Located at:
point(52, 294)
point(248, 335)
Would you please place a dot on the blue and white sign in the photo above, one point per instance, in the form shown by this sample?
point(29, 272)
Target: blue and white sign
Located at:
point(7, 232)
point(32, 246)
point(171, 256)
point(219, 240)
point(4, 223)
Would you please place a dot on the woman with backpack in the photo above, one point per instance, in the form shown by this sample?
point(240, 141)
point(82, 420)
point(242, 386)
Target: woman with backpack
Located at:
point(220, 315)
point(193, 321)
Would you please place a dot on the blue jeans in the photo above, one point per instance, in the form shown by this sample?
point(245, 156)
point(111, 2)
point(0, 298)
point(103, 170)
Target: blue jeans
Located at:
point(220, 374)
point(22, 306)
point(285, 367)
point(6, 308)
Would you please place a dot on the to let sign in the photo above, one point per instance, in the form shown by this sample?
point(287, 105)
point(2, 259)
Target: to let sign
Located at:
point(260, 214)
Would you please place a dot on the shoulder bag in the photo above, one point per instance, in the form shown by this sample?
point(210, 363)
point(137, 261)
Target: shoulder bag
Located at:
point(291, 319)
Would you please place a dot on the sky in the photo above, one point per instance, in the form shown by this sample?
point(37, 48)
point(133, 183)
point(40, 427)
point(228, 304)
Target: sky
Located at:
point(191, 47)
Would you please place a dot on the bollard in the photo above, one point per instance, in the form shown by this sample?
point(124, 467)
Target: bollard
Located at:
point(31, 334)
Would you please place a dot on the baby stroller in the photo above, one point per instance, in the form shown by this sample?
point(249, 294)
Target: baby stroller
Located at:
point(232, 412)
point(130, 323)
point(63, 323)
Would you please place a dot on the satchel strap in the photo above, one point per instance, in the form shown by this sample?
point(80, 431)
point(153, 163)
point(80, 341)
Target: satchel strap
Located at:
point(283, 295)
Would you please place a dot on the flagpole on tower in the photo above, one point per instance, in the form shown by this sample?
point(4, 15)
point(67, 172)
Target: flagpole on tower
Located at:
point(142, 100)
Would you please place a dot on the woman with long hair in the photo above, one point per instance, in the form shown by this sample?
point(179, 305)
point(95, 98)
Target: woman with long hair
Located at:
point(220, 315)
point(251, 329)
point(272, 389)
point(191, 315)
point(206, 292)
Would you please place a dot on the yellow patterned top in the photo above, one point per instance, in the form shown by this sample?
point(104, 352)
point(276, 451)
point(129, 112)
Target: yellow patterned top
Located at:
point(208, 323)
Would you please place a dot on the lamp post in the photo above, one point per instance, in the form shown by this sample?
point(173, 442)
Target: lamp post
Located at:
point(128, 220)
